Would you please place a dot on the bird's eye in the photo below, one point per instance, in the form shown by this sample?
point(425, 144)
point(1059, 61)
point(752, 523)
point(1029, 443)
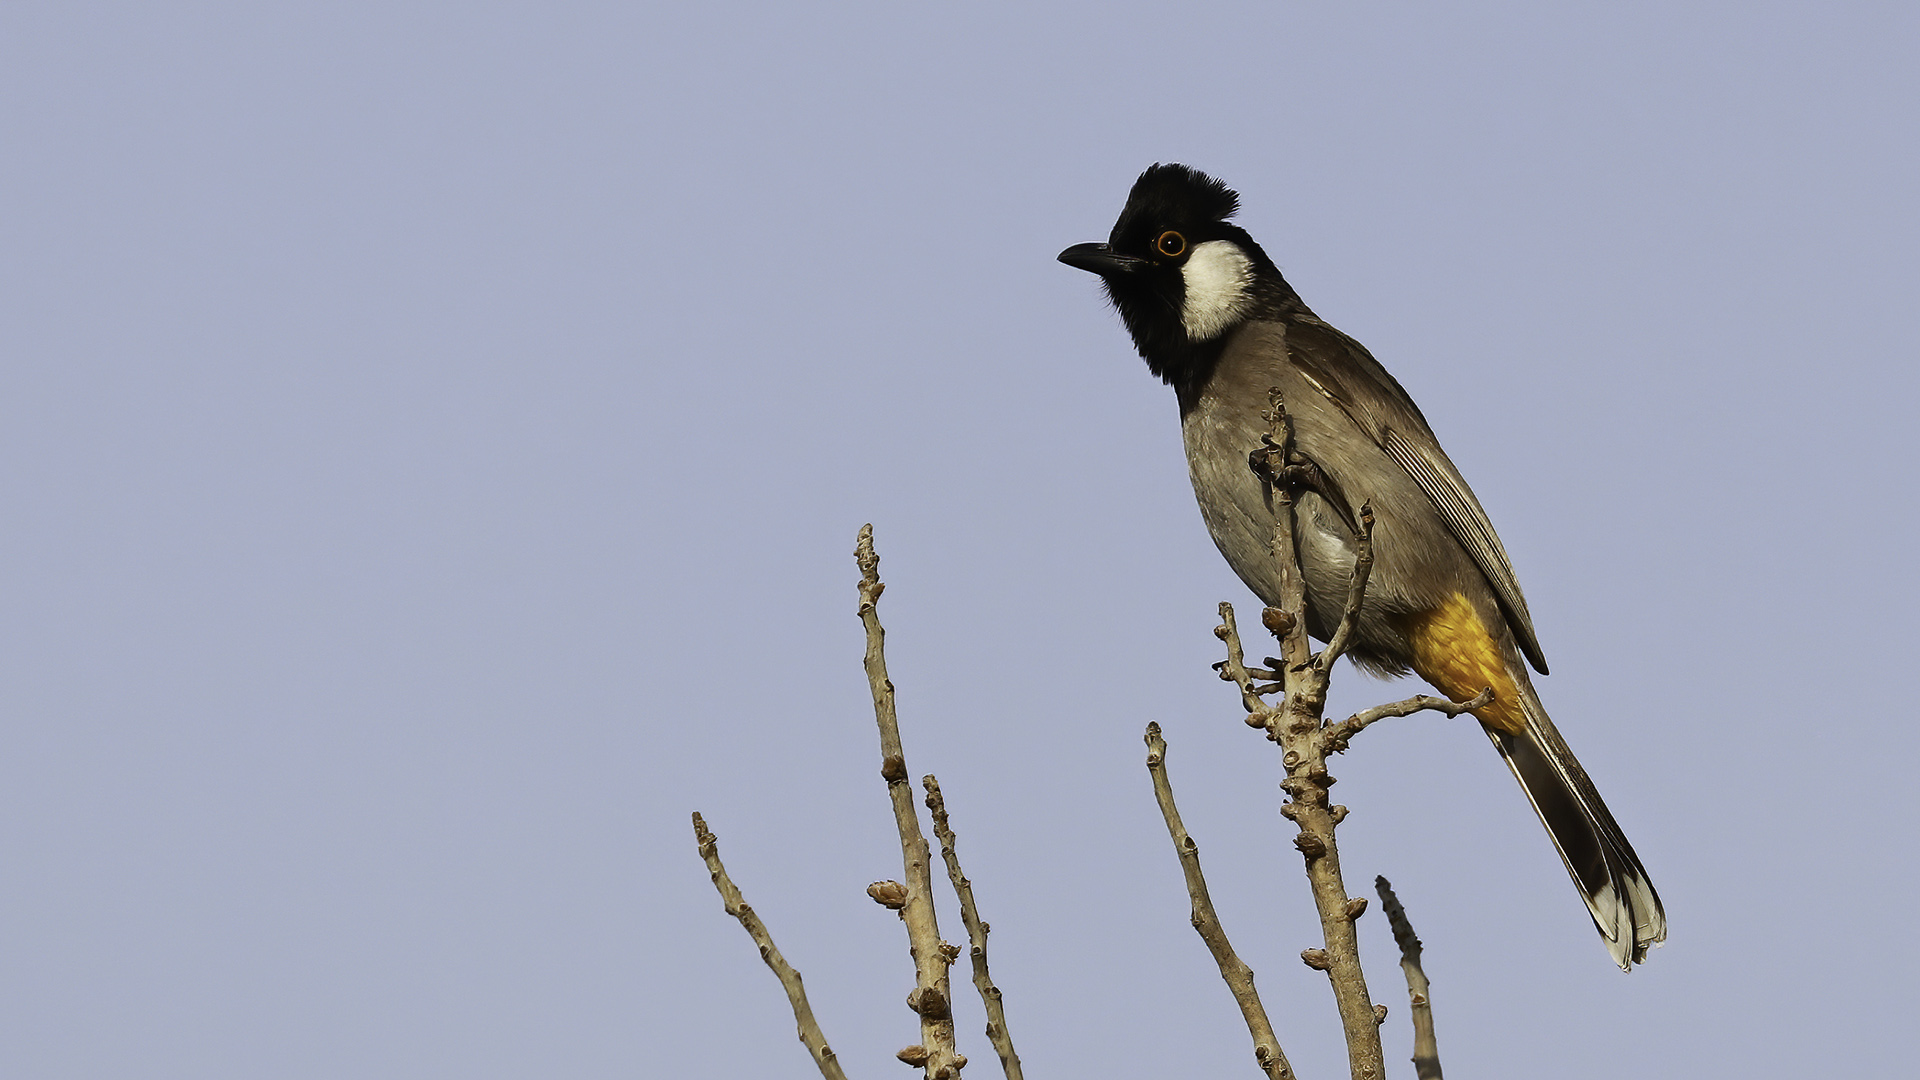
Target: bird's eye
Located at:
point(1171, 244)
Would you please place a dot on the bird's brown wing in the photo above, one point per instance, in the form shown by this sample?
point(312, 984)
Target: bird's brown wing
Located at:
point(1350, 377)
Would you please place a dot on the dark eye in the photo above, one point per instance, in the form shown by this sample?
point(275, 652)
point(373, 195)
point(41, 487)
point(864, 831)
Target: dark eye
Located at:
point(1171, 244)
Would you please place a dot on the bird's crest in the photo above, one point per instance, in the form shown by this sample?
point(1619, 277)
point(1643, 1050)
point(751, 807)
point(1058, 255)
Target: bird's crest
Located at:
point(1172, 194)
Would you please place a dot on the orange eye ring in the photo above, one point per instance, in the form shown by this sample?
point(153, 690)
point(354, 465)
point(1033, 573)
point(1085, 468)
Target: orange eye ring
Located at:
point(1171, 244)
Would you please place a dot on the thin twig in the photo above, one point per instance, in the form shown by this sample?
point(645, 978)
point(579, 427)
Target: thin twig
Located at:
point(1238, 976)
point(1426, 1049)
point(1340, 734)
point(736, 905)
point(1356, 592)
point(977, 931)
point(1234, 670)
point(931, 997)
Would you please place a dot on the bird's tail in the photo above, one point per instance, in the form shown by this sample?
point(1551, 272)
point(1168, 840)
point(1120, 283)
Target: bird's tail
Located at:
point(1604, 868)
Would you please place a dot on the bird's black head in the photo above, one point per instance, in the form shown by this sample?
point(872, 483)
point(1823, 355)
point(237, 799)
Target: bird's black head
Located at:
point(1180, 274)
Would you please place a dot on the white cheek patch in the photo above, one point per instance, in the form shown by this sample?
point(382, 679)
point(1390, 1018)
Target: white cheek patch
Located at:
point(1219, 280)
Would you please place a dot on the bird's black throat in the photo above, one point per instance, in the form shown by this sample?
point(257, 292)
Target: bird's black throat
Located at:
point(1153, 319)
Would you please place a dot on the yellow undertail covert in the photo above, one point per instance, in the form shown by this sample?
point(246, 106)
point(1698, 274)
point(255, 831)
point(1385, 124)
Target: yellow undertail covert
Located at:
point(1453, 650)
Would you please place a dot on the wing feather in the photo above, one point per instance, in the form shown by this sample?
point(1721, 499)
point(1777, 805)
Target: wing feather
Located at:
point(1377, 404)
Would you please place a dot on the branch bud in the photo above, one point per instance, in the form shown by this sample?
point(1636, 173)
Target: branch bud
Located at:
point(894, 769)
point(1356, 907)
point(1317, 959)
point(1379, 1015)
point(929, 1003)
point(888, 894)
point(1310, 845)
point(915, 1055)
point(1279, 622)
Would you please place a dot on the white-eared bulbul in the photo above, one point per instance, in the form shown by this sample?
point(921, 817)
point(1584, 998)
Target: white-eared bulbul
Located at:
point(1212, 316)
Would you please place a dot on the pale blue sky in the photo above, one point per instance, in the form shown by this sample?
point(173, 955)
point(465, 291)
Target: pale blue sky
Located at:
point(433, 438)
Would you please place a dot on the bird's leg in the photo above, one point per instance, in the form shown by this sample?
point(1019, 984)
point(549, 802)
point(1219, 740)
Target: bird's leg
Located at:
point(1274, 674)
point(1268, 462)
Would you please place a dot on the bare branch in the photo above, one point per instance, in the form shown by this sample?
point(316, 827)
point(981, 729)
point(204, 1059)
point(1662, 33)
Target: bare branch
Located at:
point(736, 905)
point(977, 931)
point(931, 997)
point(1298, 726)
point(1426, 1049)
point(1239, 977)
point(1310, 806)
point(1340, 734)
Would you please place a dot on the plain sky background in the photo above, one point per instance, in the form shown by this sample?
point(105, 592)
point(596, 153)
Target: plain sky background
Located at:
point(433, 436)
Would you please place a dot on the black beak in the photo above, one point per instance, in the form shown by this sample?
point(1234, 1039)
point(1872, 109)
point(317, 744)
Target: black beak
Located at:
point(1102, 260)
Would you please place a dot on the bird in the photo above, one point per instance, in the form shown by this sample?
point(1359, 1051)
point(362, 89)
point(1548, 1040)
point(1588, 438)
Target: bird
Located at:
point(1213, 317)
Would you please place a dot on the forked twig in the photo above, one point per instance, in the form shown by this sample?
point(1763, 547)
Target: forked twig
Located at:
point(1340, 734)
point(1356, 592)
point(1298, 725)
point(931, 997)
